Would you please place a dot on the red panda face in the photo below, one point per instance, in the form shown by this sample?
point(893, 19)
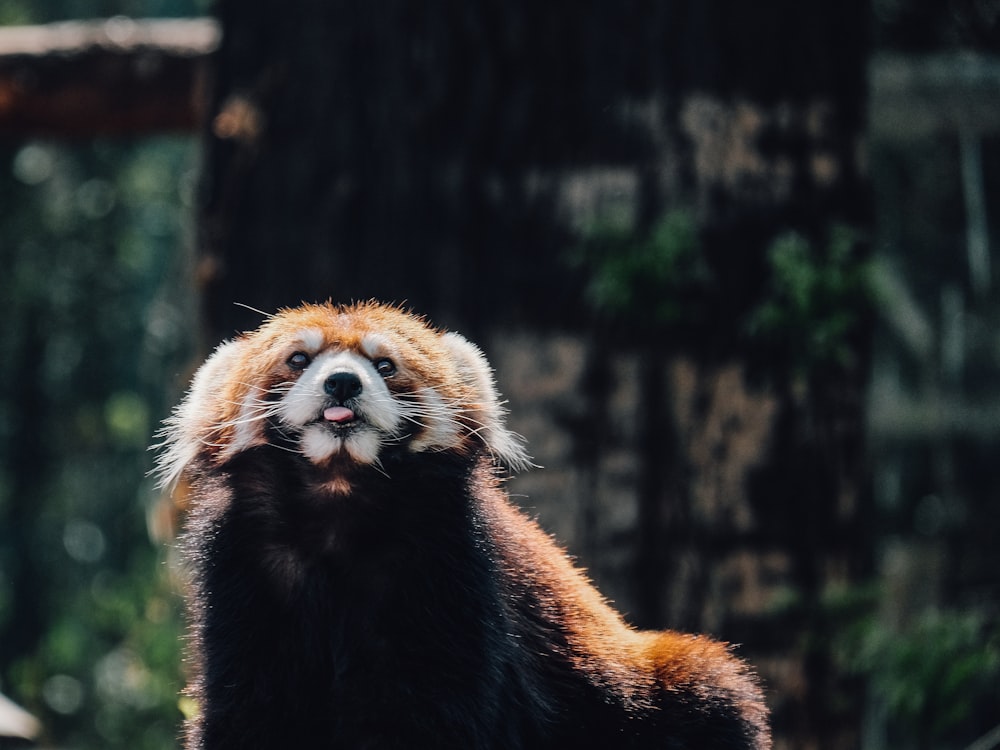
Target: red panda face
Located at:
point(340, 385)
point(340, 402)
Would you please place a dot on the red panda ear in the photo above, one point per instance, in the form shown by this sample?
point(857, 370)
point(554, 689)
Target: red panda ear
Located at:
point(197, 423)
point(487, 410)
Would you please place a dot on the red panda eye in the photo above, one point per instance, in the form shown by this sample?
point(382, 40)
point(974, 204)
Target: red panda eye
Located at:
point(298, 361)
point(385, 367)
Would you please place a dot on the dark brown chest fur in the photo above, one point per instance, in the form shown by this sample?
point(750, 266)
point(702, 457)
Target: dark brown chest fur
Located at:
point(398, 616)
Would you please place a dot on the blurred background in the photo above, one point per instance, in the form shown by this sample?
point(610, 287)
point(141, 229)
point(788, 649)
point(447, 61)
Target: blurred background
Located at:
point(733, 265)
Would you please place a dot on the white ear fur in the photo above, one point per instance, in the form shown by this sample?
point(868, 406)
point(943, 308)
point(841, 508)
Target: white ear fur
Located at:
point(505, 446)
point(196, 417)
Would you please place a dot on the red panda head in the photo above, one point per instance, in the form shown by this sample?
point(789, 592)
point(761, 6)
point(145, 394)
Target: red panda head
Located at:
point(340, 383)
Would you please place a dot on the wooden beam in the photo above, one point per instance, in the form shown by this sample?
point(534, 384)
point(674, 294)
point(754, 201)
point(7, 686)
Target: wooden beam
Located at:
point(119, 76)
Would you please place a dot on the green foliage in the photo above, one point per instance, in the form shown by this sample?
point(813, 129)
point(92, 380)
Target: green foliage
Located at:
point(96, 331)
point(649, 280)
point(14, 13)
point(932, 675)
point(815, 298)
point(106, 671)
point(807, 307)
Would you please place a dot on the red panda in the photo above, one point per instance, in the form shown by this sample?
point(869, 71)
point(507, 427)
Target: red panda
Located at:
point(360, 578)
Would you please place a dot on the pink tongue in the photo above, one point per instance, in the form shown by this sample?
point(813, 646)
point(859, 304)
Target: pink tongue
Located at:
point(338, 414)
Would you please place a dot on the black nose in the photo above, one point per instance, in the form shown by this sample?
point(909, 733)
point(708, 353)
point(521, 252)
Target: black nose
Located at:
point(342, 386)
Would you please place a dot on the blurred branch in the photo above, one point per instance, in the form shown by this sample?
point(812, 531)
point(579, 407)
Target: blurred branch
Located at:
point(977, 235)
point(113, 77)
point(895, 415)
point(914, 96)
point(988, 741)
point(901, 311)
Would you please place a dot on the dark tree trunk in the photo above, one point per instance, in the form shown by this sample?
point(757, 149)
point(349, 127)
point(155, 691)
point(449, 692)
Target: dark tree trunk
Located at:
point(451, 156)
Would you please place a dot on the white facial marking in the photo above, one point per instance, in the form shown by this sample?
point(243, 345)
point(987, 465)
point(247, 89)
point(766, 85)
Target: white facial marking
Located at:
point(364, 447)
point(441, 429)
point(311, 339)
point(193, 422)
point(377, 413)
point(318, 444)
point(490, 415)
point(248, 427)
point(375, 345)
